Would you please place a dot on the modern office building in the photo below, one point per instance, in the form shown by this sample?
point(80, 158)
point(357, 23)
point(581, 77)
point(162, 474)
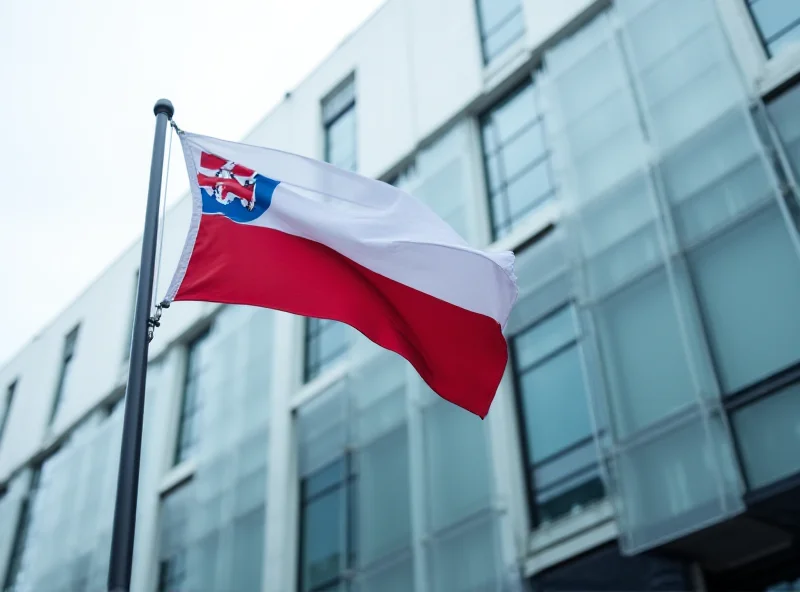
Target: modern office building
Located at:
point(642, 158)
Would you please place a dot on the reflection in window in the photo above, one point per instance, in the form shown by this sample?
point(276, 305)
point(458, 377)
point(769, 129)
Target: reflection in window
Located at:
point(189, 425)
point(326, 342)
point(562, 464)
point(501, 23)
point(328, 544)
point(64, 379)
point(778, 23)
point(516, 159)
point(339, 119)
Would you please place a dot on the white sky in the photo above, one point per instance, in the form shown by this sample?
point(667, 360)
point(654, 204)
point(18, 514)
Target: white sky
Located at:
point(78, 80)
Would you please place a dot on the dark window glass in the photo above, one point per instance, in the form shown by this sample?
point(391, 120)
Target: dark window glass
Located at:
point(326, 342)
point(516, 159)
point(784, 112)
point(7, 409)
point(501, 23)
point(562, 470)
point(339, 119)
point(778, 23)
point(64, 379)
point(21, 535)
point(328, 545)
point(189, 425)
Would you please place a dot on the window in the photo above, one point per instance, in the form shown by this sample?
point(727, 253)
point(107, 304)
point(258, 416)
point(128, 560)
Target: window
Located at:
point(328, 543)
point(70, 341)
point(516, 159)
point(7, 410)
point(132, 315)
point(21, 535)
point(560, 452)
point(326, 342)
point(339, 119)
point(778, 23)
point(501, 23)
point(172, 555)
point(189, 425)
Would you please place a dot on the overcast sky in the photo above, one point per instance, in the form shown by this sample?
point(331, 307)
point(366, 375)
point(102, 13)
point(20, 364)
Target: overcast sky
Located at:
point(79, 80)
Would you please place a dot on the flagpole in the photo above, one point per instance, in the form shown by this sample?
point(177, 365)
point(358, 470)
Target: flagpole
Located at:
point(121, 561)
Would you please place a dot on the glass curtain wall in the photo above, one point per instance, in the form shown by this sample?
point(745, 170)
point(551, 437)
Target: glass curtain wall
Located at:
point(395, 487)
point(671, 208)
point(220, 519)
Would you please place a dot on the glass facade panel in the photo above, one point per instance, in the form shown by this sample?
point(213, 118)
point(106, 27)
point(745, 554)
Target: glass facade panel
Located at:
point(458, 464)
point(778, 23)
point(227, 509)
point(672, 158)
point(664, 481)
point(769, 437)
point(172, 552)
point(518, 174)
point(648, 378)
point(326, 342)
point(440, 177)
point(354, 466)
point(501, 23)
point(748, 283)
point(68, 519)
point(463, 559)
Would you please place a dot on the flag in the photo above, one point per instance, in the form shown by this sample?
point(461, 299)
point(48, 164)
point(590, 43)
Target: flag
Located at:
point(285, 232)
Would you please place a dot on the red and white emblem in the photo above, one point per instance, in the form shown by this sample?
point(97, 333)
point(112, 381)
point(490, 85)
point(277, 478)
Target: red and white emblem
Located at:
point(227, 181)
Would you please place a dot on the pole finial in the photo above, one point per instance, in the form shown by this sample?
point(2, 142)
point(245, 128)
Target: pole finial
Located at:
point(164, 106)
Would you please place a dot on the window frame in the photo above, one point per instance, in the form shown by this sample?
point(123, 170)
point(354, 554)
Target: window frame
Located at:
point(529, 466)
point(67, 358)
point(765, 43)
point(330, 119)
point(348, 484)
point(501, 229)
point(484, 35)
point(10, 391)
point(179, 450)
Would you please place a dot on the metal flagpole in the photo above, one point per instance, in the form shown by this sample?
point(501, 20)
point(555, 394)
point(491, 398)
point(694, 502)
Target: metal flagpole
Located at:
point(120, 565)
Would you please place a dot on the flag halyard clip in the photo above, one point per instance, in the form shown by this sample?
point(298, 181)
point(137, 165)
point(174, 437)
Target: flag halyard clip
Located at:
point(155, 320)
point(174, 126)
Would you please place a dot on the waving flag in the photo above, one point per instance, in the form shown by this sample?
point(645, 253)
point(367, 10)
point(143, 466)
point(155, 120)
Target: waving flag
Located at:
point(281, 231)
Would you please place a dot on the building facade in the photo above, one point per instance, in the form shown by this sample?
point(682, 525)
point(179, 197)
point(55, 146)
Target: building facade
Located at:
point(641, 157)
